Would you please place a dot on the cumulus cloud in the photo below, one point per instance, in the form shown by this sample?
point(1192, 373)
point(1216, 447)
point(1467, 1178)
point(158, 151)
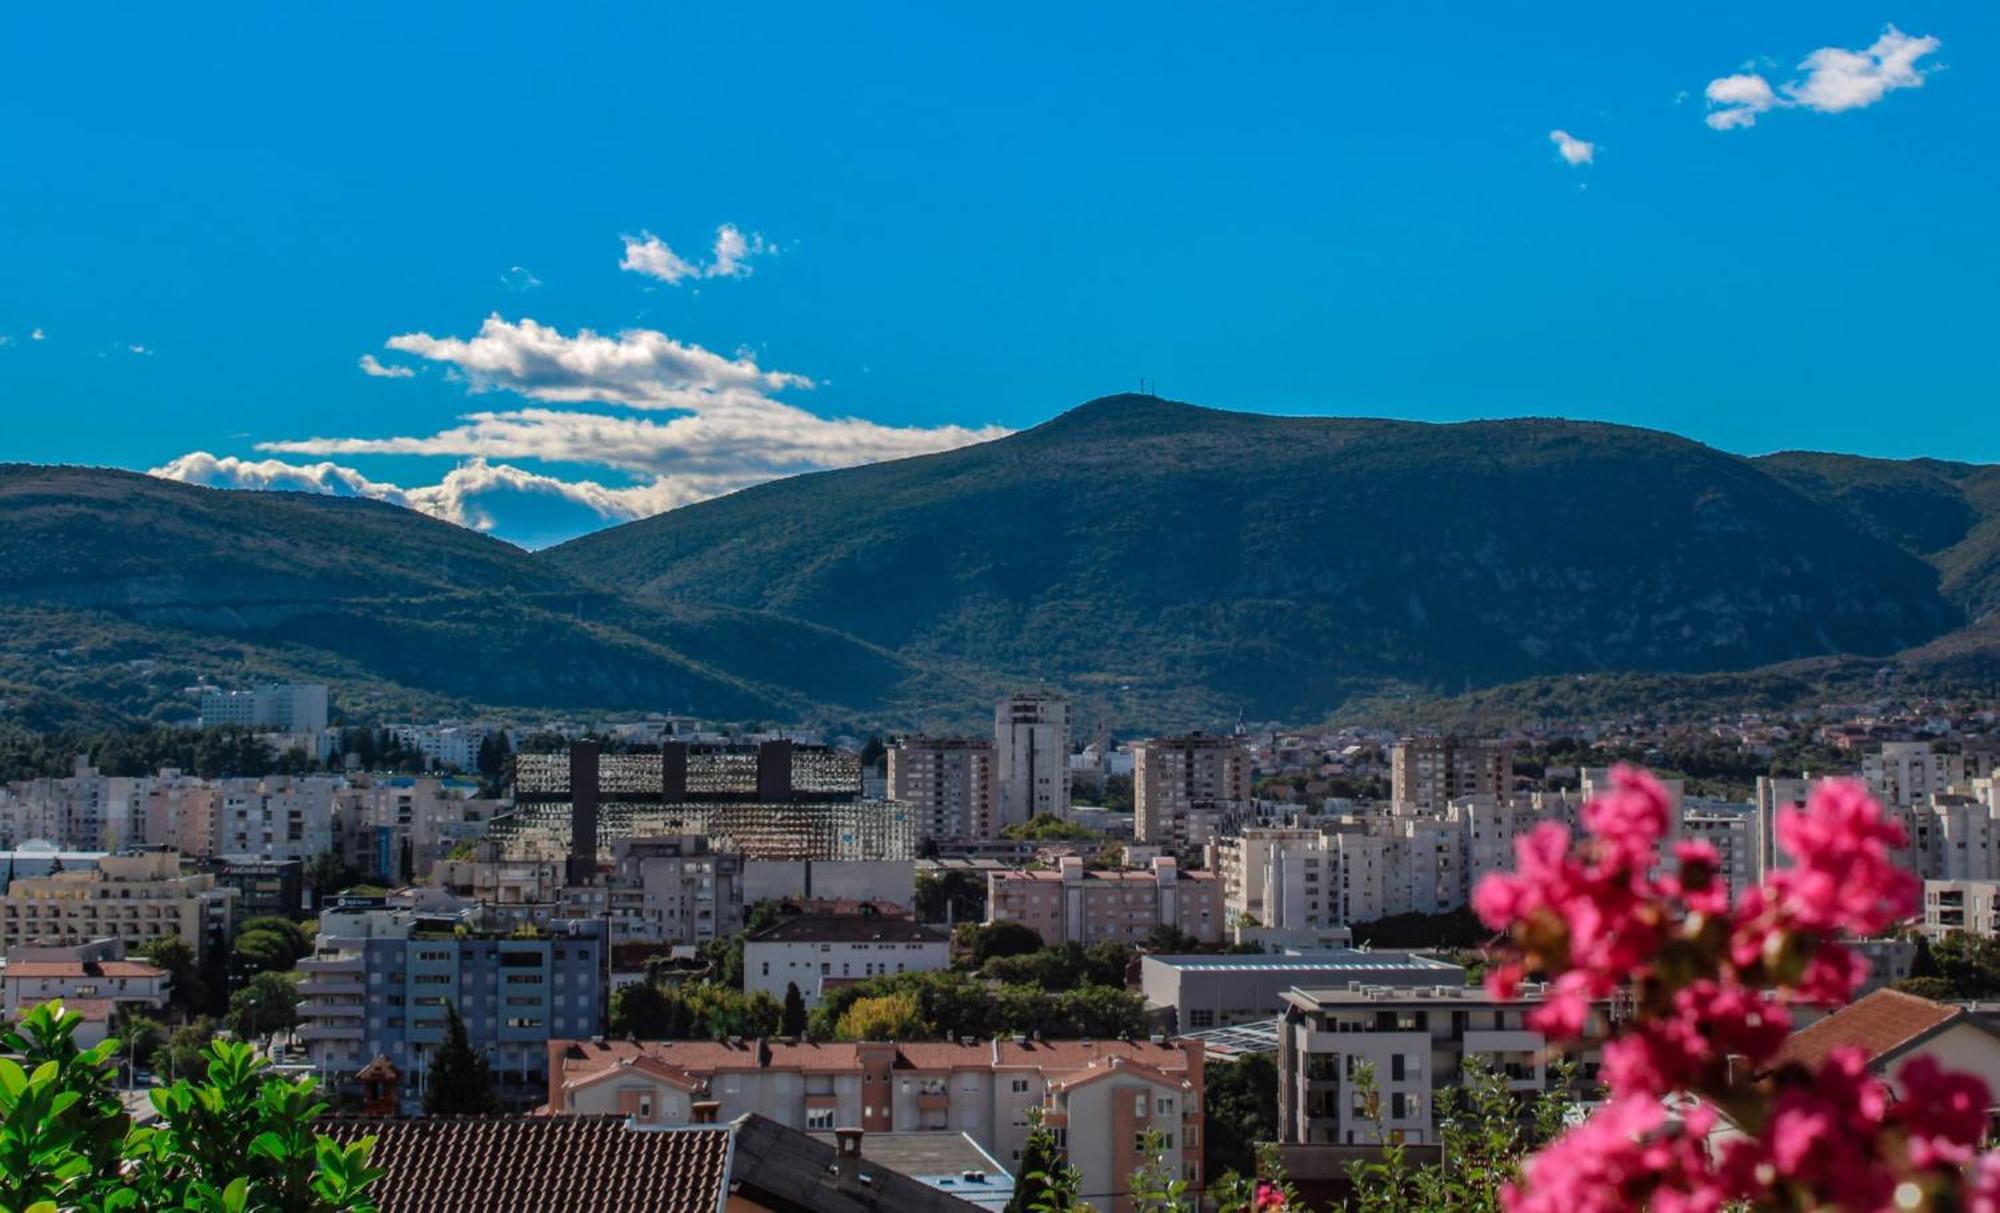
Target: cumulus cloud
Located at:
point(1572, 149)
point(639, 368)
point(730, 432)
point(370, 366)
point(518, 279)
point(649, 255)
point(474, 494)
point(1834, 79)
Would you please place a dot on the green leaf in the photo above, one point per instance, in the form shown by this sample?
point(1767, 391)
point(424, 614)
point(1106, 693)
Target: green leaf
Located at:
point(236, 1196)
point(12, 1077)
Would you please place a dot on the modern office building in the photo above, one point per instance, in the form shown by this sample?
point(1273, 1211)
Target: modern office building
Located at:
point(1188, 790)
point(951, 785)
point(773, 800)
point(1031, 748)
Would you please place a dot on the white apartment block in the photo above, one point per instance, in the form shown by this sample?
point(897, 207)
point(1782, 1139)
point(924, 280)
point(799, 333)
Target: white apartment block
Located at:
point(443, 745)
point(1415, 1039)
point(1905, 773)
point(275, 818)
point(1971, 906)
point(950, 784)
point(814, 951)
point(1734, 832)
point(1188, 790)
point(1031, 750)
point(283, 707)
point(132, 898)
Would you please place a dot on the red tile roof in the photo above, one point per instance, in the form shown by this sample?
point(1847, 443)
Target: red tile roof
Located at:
point(1881, 1024)
point(448, 1164)
point(80, 968)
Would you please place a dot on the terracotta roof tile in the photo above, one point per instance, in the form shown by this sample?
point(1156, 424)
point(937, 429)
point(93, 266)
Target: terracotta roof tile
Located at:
point(81, 968)
point(1880, 1024)
point(481, 1164)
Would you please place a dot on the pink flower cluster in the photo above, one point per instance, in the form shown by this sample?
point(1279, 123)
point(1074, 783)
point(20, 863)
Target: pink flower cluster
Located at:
point(1708, 983)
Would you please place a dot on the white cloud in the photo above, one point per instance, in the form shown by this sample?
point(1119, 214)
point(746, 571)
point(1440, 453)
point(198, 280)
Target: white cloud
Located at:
point(38, 335)
point(730, 257)
point(140, 350)
point(474, 494)
point(640, 368)
point(1835, 79)
point(371, 366)
point(518, 279)
point(1570, 148)
point(731, 431)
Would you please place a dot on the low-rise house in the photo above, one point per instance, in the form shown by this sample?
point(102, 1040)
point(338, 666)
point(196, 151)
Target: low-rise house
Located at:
point(813, 950)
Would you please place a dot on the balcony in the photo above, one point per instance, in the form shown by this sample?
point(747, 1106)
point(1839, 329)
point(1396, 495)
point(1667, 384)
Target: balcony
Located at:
point(327, 1031)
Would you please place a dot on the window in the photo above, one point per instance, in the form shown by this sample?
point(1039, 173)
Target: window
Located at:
point(1201, 1019)
point(1163, 1107)
point(1020, 1086)
point(1396, 1069)
point(819, 1118)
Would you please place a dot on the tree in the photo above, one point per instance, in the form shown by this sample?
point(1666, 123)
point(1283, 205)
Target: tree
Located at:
point(1169, 939)
point(1047, 827)
point(1047, 1183)
point(958, 895)
point(266, 944)
point(1925, 962)
point(459, 1082)
point(794, 1021)
point(187, 1049)
point(187, 991)
point(644, 1011)
point(238, 1140)
point(982, 942)
point(885, 1017)
point(1240, 1105)
point(327, 873)
point(268, 1003)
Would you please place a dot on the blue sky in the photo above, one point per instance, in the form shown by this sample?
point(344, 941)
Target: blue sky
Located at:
point(951, 222)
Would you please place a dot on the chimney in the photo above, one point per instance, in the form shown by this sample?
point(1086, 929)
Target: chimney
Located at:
point(706, 1110)
point(847, 1157)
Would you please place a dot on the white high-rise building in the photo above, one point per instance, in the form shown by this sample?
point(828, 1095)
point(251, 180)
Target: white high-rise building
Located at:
point(1031, 747)
point(287, 707)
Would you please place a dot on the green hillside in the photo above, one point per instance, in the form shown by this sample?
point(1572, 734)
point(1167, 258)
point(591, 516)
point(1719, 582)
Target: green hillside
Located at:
point(1947, 513)
point(1164, 558)
point(119, 590)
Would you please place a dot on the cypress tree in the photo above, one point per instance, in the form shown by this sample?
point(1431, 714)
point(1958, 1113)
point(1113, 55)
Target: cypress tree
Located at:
point(794, 1021)
point(460, 1082)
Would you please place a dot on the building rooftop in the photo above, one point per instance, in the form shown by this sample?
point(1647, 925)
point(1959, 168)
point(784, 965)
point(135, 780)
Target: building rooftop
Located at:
point(1228, 1044)
point(1334, 960)
point(847, 928)
point(42, 969)
point(949, 1162)
point(1882, 1024)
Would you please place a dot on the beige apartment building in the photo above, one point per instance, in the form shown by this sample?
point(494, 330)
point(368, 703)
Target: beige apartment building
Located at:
point(1076, 904)
point(1428, 773)
point(1188, 790)
point(951, 785)
point(133, 898)
point(1098, 1096)
point(1971, 906)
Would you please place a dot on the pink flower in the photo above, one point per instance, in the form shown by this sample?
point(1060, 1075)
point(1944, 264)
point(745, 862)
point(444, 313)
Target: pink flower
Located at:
point(1631, 818)
point(1825, 1135)
point(1706, 1026)
point(1983, 1195)
point(1626, 1156)
point(1843, 878)
point(1944, 1112)
point(1269, 1198)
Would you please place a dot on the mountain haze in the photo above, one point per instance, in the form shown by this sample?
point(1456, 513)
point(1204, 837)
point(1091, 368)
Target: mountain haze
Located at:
point(1154, 552)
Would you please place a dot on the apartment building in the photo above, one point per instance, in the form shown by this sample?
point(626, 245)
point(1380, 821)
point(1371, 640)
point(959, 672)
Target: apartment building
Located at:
point(134, 898)
point(1188, 790)
point(1734, 833)
point(1073, 903)
point(1195, 993)
point(1416, 1039)
point(1428, 773)
point(1344, 870)
point(1971, 906)
point(817, 952)
point(379, 981)
point(1905, 773)
point(443, 745)
point(1099, 1097)
point(1031, 752)
point(276, 818)
point(950, 784)
point(280, 707)
point(1773, 796)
